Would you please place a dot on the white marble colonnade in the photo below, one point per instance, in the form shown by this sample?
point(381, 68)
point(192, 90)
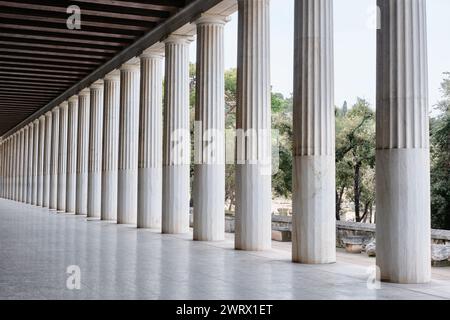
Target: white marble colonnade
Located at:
point(115, 151)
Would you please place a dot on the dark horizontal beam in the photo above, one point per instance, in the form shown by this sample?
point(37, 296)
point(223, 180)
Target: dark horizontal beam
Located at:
point(61, 23)
point(171, 6)
point(87, 10)
point(55, 66)
point(42, 59)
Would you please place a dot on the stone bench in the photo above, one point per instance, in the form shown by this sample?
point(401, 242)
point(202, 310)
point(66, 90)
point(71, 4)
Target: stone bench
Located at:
point(281, 234)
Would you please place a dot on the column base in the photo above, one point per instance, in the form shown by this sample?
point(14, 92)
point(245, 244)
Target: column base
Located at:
point(253, 221)
point(150, 198)
point(175, 208)
point(209, 206)
point(313, 204)
point(109, 196)
point(403, 228)
point(127, 197)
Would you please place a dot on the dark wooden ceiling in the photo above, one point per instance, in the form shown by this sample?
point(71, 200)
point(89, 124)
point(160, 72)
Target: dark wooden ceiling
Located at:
point(40, 57)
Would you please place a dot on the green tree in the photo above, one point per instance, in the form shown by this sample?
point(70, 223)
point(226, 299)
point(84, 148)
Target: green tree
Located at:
point(355, 158)
point(440, 160)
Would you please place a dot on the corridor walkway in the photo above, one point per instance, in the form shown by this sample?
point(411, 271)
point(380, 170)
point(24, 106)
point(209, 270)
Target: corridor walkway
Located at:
point(121, 262)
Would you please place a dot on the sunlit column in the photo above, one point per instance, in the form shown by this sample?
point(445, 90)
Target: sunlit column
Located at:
point(128, 143)
point(72, 144)
point(176, 137)
point(402, 156)
point(35, 162)
point(14, 167)
point(313, 221)
point(95, 150)
point(25, 164)
point(30, 162)
point(47, 158)
point(82, 179)
point(62, 156)
point(53, 197)
point(209, 172)
point(20, 164)
point(110, 146)
point(40, 163)
point(253, 123)
point(150, 140)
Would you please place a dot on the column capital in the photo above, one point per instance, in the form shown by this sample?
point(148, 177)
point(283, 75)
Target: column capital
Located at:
point(179, 38)
point(131, 64)
point(155, 51)
point(65, 104)
point(216, 19)
point(97, 84)
point(84, 92)
point(42, 117)
point(113, 75)
point(48, 114)
point(73, 99)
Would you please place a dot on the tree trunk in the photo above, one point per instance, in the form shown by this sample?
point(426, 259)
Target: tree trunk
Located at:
point(357, 190)
point(339, 196)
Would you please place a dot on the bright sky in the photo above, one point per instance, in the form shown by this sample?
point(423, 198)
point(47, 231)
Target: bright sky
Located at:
point(355, 47)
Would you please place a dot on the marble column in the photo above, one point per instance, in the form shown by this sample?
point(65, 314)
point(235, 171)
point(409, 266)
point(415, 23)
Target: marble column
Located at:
point(40, 164)
point(47, 157)
point(72, 145)
point(20, 164)
point(209, 171)
point(110, 163)
point(402, 156)
point(150, 140)
point(8, 160)
point(62, 156)
point(176, 137)
point(53, 196)
point(82, 180)
point(128, 143)
point(95, 150)
point(14, 167)
point(253, 123)
point(35, 162)
point(313, 221)
point(25, 164)
point(31, 151)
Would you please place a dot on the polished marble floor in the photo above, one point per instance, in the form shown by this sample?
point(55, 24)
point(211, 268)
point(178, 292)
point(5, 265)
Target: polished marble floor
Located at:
point(120, 262)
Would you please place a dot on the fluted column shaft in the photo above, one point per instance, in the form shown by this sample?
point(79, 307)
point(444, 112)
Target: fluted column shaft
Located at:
point(14, 167)
point(53, 197)
point(128, 144)
point(150, 141)
point(253, 124)
point(110, 162)
point(40, 163)
point(95, 150)
point(402, 156)
point(47, 157)
point(176, 137)
point(20, 164)
point(25, 164)
point(72, 144)
point(35, 163)
point(82, 179)
point(62, 156)
point(314, 221)
point(209, 171)
point(31, 151)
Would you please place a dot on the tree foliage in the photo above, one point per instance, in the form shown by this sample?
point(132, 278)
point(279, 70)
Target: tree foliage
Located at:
point(440, 160)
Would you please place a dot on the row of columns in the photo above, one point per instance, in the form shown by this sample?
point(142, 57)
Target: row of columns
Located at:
point(114, 151)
